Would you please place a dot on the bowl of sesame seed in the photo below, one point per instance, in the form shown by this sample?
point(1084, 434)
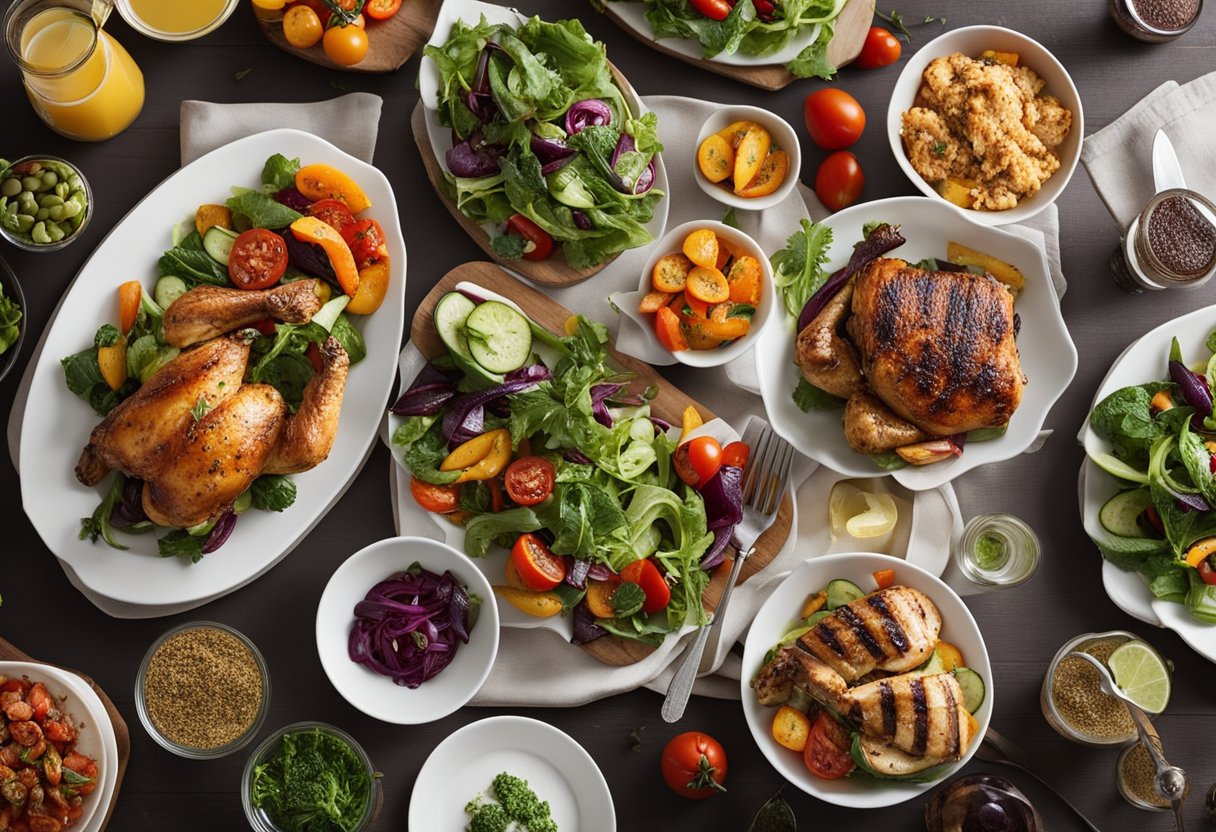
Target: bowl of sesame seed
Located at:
point(203, 690)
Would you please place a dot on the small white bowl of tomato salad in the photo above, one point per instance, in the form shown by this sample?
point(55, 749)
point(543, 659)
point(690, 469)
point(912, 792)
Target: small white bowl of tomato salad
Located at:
point(747, 158)
point(704, 296)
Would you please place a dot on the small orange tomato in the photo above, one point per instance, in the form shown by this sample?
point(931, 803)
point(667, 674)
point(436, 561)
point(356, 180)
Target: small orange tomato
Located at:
point(302, 27)
point(345, 45)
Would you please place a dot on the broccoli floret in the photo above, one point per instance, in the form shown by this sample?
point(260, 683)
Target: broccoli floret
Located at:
point(486, 817)
point(314, 782)
point(519, 801)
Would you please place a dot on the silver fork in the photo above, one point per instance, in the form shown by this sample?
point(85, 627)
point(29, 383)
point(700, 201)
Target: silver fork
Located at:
point(764, 483)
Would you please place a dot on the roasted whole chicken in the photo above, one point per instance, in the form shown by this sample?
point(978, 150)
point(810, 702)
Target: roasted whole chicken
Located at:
point(919, 355)
point(195, 433)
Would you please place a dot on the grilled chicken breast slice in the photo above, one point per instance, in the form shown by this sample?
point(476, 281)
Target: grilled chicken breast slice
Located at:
point(894, 629)
point(937, 347)
point(922, 716)
point(795, 668)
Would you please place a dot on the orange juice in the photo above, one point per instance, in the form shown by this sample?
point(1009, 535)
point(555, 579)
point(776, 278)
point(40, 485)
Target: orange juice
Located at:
point(81, 81)
point(175, 19)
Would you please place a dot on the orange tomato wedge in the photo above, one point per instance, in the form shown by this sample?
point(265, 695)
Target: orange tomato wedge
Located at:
point(708, 285)
point(313, 230)
point(670, 272)
point(129, 296)
point(744, 279)
point(373, 286)
point(750, 155)
point(769, 178)
point(667, 330)
point(734, 133)
point(326, 182)
point(715, 158)
point(701, 247)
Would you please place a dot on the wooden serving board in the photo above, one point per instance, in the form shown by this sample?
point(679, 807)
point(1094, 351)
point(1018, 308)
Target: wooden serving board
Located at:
point(551, 272)
point(122, 737)
point(852, 25)
point(669, 404)
point(390, 43)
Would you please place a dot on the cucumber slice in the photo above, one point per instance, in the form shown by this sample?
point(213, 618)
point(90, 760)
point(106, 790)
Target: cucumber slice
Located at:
point(972, 686)
point(499, 338)
point(218, 243)
point(1120, 514)
point(243, 501)
point(841, 592)
point(328, 314)
point(168, 289)
point(451, 312)
point(1117, 467)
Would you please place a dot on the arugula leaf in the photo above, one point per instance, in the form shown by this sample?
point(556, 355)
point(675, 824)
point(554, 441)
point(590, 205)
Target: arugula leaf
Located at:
point(179, 544)
point(279, 172)
point(261, 210)
point(190, 261)
point(808, 397)
point(424, 455)
point(273, 492)
point(798, 268)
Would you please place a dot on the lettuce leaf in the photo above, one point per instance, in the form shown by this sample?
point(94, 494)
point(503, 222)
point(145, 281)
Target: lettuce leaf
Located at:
point(261, 210)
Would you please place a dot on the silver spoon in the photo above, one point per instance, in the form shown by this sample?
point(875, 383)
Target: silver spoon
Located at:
point(1171, 782)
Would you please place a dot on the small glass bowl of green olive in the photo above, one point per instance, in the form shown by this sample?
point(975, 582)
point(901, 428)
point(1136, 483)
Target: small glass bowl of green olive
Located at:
point(45, 202)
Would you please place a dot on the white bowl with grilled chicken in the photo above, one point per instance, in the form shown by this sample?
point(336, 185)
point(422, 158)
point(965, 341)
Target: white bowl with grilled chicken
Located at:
point(904, 669)
point(930, 369)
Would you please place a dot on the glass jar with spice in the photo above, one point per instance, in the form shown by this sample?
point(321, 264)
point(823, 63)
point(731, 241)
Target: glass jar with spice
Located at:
point(1137, 779)
point(1072, 699)
point(203, 690)
point(1172, 243)
point(1155, 21)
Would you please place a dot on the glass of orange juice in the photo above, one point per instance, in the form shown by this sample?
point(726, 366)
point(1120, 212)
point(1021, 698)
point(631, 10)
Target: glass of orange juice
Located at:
point(175, 20)
point(81, 82)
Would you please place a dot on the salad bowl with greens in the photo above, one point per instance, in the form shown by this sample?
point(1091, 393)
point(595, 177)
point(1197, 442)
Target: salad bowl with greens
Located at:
point(539, 140)
point(1147, 484)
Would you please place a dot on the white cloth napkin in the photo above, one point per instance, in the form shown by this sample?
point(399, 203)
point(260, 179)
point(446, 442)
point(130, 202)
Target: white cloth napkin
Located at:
point(350, 121)
point(1119, 157)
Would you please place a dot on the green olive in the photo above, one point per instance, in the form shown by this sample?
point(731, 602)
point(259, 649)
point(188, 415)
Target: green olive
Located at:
point(11, 187)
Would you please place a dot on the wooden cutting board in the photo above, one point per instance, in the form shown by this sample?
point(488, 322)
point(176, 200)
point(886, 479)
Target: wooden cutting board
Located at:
point(852, 25)
point(123, 738)
point(551, 272)
point(669, 404)
point(390, 43)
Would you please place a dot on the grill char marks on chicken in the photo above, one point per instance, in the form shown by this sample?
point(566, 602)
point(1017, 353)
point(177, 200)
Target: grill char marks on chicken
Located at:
point(920, 715)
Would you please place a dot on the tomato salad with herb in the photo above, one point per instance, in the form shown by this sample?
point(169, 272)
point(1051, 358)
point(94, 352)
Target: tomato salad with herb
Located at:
point(539, 444)
point(306, 223)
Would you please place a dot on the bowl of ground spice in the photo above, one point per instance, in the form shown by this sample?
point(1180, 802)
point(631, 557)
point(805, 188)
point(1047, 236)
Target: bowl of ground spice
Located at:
point(1137, 779)
point(1072, 697)
point(203, 690)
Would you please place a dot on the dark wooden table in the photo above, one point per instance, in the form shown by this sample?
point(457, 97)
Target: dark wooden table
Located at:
point(46, 617)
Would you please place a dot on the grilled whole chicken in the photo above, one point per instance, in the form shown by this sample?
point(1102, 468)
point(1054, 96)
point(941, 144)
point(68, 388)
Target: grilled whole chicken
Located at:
point(210, 311)
point(870, 427)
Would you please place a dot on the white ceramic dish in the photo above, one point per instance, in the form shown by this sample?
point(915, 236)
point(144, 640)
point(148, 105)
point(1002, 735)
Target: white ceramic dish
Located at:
point(633, 15)
point(1143, 361)
point(784, 137)
point(1049, 358)
point(776, 618)
point(57, 423)
point(672, 243)
point(971, 41)
point(377, 695)
point(96, 739)
point(557, 768)
point(441, 137)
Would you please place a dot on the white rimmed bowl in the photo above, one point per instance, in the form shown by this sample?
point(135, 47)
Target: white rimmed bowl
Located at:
point(971, 41)
point(672, 243)
point(376, 695)
point(776, 618)
point(96, 733)
point(784, 137)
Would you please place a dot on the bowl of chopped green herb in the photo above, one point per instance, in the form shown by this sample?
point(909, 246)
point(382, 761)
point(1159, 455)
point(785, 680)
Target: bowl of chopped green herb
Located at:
point(310, 776)
point(12, 309)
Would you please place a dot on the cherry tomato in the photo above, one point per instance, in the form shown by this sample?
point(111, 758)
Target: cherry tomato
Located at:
point(345, 45)
point(437, 498)
point(332, 212)
point(302, 27)
point(1206, 572)
point(646, 575)
point(833, 118)
point(697, 460)
point(839, 180)
point(540, 244)
point(881, 49)
point(694, 765)
point(257, 260)
point(824, 754)
point(334, 20)
point(529, 480)
point(713, 9)
point(381, 9)
point(366, 241)
point(736, 454)
point(539, 568)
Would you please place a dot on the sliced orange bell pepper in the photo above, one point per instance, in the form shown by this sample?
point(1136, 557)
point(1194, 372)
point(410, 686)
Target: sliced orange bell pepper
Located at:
point(1200, 551)
point(313, 230)
point(112, 361)
point(373, 286)
point(599, 598)
point(885, 578)
point(129, 296)
point(481, 458)
point(326, 182)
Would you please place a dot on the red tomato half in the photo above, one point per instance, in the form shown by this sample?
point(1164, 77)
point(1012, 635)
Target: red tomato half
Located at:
point(833, 118)
point(697, 460)
point(881, 49)
point(839, 181)
point(713, 9)
point(736, 454)
point(539, 568)
point(694, 765)
point(381, 9)
point(257, 260)
point(646, 575)
point(366, 241)
point(529, 480)
point(332, 212)
point(1206, 572)
point(825, 755)
point(540, 243)
point(437, 498)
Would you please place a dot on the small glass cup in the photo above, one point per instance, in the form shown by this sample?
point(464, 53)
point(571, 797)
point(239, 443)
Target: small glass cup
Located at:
point(998, 550)
point(258, 819)
point(1052, 713)
point(1125, 790)
point(186, 29)
point(28, 245)
point(1131, 21)
point(1137, 267)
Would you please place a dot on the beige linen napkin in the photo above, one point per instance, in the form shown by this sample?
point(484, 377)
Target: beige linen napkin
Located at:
point(350, 121)
point(1119, 157)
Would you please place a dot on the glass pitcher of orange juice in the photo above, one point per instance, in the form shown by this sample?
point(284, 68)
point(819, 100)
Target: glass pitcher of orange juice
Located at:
point(81, 81)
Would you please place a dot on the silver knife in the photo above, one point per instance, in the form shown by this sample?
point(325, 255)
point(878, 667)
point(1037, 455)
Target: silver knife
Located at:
point(1167, 173)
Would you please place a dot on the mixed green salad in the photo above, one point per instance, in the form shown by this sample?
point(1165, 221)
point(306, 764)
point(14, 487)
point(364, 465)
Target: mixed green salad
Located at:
point(10, 320)
point(122, 358)
point(537, 443)
point(758, 28)
point(1163, 447)
point(544, 143)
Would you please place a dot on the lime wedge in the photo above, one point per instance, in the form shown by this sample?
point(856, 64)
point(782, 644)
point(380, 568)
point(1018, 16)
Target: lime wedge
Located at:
point(879, 517)
point(1141, 674)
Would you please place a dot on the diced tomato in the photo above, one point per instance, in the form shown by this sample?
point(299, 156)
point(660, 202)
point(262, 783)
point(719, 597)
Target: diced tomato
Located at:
point(538, 567)
point(264, 326)
point(1207, 572)
point(366, 241)
point(885, 578)
point(825, 755)
point(646, 575)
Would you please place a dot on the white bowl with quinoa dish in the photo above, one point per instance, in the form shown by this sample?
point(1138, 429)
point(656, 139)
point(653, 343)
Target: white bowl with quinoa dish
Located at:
point(987, 119)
